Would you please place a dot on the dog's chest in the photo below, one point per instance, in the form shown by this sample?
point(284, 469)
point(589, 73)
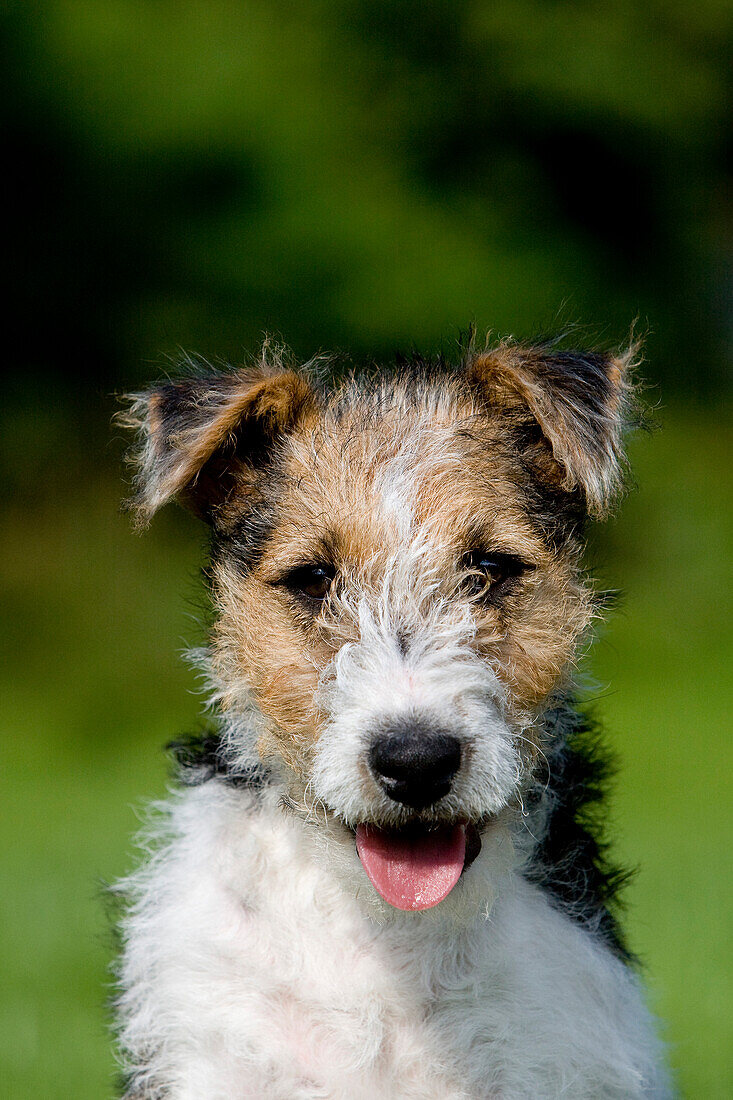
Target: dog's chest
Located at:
point(283, 985)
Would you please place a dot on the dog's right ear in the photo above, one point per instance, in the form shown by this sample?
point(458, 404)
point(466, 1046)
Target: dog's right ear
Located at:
point(195, 435)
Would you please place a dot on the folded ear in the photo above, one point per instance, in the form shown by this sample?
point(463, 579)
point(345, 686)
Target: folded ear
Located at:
point(581, 403)
point(196, 434)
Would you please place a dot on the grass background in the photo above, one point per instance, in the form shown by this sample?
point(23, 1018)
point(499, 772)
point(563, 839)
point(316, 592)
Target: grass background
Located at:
point(93, 620)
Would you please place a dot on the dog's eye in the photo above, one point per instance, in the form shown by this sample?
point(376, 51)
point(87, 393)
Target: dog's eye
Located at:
point(489, 571)
point(313, 581)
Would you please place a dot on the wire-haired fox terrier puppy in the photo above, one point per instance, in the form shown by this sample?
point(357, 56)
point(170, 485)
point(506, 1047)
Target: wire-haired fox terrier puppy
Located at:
point(380, 877)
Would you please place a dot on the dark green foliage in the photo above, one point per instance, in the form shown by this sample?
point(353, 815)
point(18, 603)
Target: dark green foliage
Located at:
point(363, 174)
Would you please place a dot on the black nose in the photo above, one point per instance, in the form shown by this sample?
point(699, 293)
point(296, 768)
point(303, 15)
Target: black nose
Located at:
point(415, 765)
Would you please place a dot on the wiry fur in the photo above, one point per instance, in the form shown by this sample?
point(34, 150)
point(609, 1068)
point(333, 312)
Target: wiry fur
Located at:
point(259, 959)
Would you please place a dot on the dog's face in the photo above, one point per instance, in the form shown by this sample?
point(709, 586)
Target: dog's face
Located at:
point(396, 571)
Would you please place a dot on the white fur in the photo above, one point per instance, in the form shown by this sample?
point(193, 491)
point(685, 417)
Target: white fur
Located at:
point(253, 970)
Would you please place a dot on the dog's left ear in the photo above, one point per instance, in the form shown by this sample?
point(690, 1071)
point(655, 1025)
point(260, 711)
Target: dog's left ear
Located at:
point(580, 401)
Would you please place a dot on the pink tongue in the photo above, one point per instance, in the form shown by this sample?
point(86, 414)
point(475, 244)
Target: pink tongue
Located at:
point(412, 870)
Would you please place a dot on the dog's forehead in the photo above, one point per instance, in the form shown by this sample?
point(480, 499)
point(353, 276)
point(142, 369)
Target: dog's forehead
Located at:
point(382, 466)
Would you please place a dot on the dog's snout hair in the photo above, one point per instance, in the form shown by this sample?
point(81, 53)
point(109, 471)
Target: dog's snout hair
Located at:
point(413, 673)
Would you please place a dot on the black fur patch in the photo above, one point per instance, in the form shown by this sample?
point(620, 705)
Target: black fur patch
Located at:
point(244, 543)
point(200, 757)
point(572, 862)
point(557, 513)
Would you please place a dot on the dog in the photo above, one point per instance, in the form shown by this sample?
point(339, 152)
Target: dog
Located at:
point(381, 875)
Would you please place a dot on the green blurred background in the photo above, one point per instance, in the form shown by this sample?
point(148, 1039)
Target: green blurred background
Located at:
point(360, 176)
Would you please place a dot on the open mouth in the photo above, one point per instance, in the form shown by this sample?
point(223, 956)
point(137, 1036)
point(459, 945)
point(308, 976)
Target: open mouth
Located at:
point(416, 867)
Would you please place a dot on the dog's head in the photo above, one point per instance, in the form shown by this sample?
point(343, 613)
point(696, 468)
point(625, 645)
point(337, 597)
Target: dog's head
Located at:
point(395, 567)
